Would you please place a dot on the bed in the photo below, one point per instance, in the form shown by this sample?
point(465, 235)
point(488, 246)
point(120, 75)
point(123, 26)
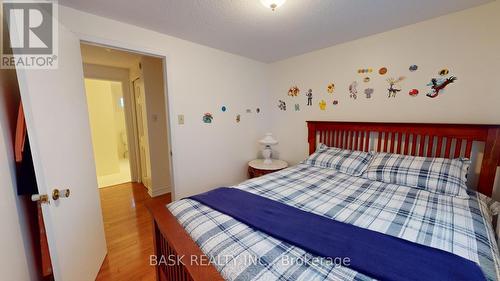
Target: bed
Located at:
point(222, 246)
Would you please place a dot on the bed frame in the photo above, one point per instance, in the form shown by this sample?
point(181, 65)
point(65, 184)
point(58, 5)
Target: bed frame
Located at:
point(436, 140)
point(431, 140)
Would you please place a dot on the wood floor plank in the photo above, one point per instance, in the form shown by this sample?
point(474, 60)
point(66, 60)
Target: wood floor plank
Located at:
point(129, 237)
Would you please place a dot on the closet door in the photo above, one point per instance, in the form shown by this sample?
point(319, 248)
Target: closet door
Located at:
point(59, 132)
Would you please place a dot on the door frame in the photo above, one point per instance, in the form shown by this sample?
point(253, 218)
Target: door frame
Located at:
point(101, 72)
point(128, 47)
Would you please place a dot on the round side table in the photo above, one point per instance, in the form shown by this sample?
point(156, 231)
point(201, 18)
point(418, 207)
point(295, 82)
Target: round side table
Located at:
point(257, 168)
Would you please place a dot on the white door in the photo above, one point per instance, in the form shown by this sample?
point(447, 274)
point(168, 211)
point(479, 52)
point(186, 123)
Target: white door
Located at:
point(140, 111)
point(59, 131)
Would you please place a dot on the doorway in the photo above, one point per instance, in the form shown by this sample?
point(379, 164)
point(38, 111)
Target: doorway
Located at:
point(143, 107)
point(106, 106)
point(126, 98)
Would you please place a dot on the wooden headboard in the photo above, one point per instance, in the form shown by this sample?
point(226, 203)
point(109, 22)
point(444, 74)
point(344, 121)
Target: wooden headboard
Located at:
point(431, 140)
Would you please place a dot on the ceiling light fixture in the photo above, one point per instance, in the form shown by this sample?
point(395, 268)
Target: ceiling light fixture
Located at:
point(273, 4)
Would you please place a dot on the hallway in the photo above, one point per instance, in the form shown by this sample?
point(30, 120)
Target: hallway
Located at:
point(128, 229)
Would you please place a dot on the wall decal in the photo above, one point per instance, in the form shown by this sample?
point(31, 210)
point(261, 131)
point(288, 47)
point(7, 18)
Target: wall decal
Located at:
point(369, 92)
point(294, 91)
point(444, 72)
point(366, 79)
point(223, 108)
point(238, 118)
point(330, 88)
point(207, 118)
point(353, 91)
point(365, 70)
point(282, 105)
point(322, 105)
point(413, 92)
point(297, 107)
point(248, 110)
point(382, 71)
point(439, 84)
point(393, 86)
point(413, 68)
point(309, 97)
point(335, 102)
point(257, 110)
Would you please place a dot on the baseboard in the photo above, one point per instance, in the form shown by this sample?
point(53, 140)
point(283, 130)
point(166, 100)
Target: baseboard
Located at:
point(153, 192)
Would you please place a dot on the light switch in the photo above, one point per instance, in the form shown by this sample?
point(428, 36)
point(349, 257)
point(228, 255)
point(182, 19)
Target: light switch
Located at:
point(180, 119)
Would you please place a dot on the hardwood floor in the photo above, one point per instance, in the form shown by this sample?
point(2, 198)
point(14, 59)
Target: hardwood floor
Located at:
point(129, 235)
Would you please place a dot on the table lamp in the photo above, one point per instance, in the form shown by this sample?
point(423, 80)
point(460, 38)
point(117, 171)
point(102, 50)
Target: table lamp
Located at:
point(267, 141)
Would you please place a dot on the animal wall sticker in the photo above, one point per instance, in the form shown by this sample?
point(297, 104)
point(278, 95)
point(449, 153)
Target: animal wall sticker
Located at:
point(330, 88)
point(309, 97)
point(353, 90)
point(382, 71)
point(413, 68)
point(297, 107)
point(369, 92)
point(238, 118)
point(394, 86)
point(322, 105)
point(282, 105)
point(223, 108)
point(207, 118)
point(335, 102)
point(294, 91)
point(439, 84)
point(257, 110)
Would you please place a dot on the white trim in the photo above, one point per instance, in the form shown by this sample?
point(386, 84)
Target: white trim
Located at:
point(158, 191)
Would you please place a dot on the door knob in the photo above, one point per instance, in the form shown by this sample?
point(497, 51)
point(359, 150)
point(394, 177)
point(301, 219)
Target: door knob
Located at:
point(41, 198)
point(63, 193)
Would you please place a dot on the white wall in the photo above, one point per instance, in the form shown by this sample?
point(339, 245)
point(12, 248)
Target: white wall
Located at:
point(103, 125)
point(16, 258)
point(466, 42)
point(157, 125)
point(122, 75)
point(199, 80)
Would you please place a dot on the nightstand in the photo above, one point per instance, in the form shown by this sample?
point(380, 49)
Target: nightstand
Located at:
point(257, 168)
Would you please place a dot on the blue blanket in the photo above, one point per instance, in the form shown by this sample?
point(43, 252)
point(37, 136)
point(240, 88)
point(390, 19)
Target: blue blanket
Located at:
point(374, 254)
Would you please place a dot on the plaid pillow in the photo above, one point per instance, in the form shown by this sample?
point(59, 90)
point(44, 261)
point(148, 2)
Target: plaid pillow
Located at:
point(346, 161)
point(439, 175)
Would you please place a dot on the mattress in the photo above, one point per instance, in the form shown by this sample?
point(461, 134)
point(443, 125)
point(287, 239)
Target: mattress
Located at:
point(459, 226)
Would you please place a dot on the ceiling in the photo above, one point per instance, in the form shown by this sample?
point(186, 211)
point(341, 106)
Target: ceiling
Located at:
point(247, 28)
point(92, 54)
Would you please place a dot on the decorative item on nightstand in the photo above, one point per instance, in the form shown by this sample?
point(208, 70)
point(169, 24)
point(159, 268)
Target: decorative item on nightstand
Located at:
point(267, 141)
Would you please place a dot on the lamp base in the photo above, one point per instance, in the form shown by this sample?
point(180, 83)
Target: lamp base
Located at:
point(266, 153)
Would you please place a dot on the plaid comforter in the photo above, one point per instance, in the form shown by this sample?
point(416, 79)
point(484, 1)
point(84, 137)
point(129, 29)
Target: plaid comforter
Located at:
point(452, 224)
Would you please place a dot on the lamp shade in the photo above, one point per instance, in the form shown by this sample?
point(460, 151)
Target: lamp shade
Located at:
point(268, 140)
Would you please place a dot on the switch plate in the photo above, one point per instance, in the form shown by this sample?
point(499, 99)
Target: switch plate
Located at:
point(180, 119)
